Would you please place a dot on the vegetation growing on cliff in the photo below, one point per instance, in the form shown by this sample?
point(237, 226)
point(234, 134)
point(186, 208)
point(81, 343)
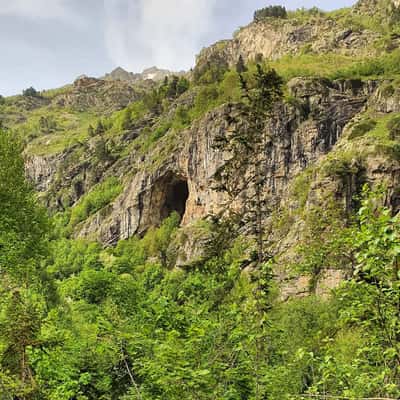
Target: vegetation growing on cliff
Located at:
point(79, 321)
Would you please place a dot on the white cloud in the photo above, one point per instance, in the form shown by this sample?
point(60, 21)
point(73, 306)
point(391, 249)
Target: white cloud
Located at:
point(166, 33)
point(47, 9)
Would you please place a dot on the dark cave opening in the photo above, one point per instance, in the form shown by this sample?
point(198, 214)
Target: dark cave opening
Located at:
point(176, 195)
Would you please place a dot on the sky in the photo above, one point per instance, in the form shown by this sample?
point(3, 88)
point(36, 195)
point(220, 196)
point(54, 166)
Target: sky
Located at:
point(48, 43)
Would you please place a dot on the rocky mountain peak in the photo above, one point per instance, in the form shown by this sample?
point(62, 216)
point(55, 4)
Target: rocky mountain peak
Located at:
point(120, 74)
point(152, 73)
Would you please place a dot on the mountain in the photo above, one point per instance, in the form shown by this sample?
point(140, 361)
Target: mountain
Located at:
point(152, 73)
point(122, 75)
point(219, 235)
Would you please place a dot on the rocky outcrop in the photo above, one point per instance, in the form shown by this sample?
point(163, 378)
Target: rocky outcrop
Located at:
point(271, 39)
point(145, 200)
point(303, 129)
point(42, 170)
point(155, 74)
point(385, 8)
point(104, 96)
point(301, 132)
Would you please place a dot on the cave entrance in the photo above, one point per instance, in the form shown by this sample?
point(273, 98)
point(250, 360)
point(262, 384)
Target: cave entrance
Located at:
point(176, 195)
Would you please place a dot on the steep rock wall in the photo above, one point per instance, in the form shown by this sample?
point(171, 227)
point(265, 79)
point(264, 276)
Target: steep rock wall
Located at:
point(297, 137)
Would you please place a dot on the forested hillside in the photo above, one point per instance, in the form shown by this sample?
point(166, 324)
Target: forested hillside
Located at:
point(229, 233)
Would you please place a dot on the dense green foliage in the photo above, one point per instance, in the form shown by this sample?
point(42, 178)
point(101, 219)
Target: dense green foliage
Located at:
point(30, 92)
point(99, 197)
point(82, 322)
point(270, 12)
point(24, 287)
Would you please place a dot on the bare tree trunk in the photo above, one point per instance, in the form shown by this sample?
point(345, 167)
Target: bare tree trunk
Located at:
point(131, 375)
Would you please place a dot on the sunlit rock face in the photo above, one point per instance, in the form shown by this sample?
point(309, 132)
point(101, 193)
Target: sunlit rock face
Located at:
point(182, 180)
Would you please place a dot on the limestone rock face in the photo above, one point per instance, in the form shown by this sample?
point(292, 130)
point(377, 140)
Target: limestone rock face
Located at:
point(184, 183)
point(299, 134)
point(302, 133)
point(272, 39)
point(104, 96)
point(42, 170)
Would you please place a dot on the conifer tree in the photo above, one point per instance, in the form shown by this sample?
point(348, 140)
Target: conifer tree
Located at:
point(240, 66)
point(241, 177)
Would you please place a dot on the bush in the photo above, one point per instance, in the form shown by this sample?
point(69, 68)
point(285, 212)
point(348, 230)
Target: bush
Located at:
point(305, 13)
point(173, 88)
point(95, 200)
point(30, 92)
point(205, 98)
point(101, 150)
point(157, 134)
point(94, 285)
point(270, 12)
point(394, 127)
point(157, 241)
point(363, 127)
point(229, 88)
point(47, 124)
point(387, 65)
point(343, 165)
point(211, 72)
point(372, 67)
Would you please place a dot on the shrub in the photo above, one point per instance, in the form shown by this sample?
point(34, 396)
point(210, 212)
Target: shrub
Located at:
point(153, 102)
point(128, 254)
point(205, 98)
point(229, 88)
point(94, 286)
point(211, 71)
point(372, 67)
point(305, 13)
point(100, 129)
point(47, 124)
point(240, 65)
point(387, 65)
point(362, 127)
point(125, 121)
point(387, 90)
point(343, 165)
point(183, 86)
point(157, 241)
point(394, 127)
point(95, 200)
point(270, 12)
point(182, 118)
point(101, 151)
point(174, 88)
point(90, 131)
point(30, 92)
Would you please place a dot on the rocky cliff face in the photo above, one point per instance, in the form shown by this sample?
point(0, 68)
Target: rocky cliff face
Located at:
point(302, 132)
point(373, 7)
point(316, 141)
point(105, 96)
point(271, 39)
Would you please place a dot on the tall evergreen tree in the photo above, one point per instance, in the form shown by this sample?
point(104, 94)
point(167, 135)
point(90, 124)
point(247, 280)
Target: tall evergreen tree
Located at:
point(241, 177)
point(240, 65)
